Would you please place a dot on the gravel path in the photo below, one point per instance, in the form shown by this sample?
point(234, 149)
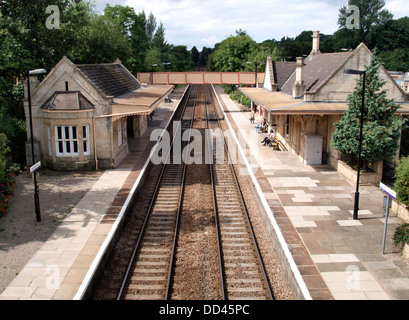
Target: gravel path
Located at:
point(20, 235)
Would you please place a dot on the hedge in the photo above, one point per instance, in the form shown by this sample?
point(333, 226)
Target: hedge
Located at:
point(402, 181)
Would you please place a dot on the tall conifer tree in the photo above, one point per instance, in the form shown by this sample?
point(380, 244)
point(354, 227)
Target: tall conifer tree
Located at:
point(381, 126)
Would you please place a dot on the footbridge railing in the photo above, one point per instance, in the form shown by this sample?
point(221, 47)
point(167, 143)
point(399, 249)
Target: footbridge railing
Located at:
point(200, 77)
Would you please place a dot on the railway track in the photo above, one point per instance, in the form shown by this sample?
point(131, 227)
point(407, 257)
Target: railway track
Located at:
point(149, 272)
point(161, 264)
point(242, 268)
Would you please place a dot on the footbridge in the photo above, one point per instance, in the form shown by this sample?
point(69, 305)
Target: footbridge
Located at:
point(201, 77)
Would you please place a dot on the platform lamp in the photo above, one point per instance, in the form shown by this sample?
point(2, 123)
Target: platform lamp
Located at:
point(363, 73)
point(166, 64)
point(36, 196)
point(152, 65)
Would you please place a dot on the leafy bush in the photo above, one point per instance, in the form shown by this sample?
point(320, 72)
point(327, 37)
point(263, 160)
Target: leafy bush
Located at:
point(244, 100)
point(401, 235)
point(240, 98)
point(7, 186)
point(3, 151)
point(228, 88)
point(402, 181)
point(235, 95)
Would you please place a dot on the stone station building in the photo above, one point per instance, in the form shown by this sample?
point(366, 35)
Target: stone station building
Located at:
point(302, 100)
point(85, 116)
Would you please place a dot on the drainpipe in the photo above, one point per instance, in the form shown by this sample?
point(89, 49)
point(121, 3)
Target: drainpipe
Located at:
point(95, 143)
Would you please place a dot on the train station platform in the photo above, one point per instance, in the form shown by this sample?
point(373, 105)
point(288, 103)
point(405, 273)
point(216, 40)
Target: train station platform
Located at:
point(58, 269)
point(338, 257)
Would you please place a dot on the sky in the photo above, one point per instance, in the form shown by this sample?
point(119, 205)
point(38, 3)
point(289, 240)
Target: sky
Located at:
point(204, 23)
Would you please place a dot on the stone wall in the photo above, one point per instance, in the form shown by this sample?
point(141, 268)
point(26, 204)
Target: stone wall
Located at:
point(365, 178)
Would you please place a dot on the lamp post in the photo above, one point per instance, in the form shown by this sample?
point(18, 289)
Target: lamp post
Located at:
point(363, 73)
point(166, 64)
point(36, 196)
point(151, 77)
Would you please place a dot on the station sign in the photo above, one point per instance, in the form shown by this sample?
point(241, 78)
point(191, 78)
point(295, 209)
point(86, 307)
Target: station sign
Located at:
point(35, 167)
point(388, 191)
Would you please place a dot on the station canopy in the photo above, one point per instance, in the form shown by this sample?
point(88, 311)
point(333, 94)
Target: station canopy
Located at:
point(141, 101)
point(282, 103)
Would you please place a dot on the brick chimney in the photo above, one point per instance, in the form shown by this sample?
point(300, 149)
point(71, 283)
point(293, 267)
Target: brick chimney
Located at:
point(299, 86)
point(315, 43)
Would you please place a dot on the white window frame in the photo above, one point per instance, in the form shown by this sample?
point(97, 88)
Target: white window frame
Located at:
point(68, 141)
point(85, 140)
point(287, 126)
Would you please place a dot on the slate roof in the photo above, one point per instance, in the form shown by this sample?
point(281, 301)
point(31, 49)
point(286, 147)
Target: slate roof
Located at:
point(282, 71)
point(318, 68)
point(67, 100)
point(111, 79)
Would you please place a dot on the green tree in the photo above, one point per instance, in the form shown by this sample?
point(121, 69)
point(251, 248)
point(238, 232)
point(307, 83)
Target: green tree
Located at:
point(139, 44)
point(392, 43)
point(46, 46)
point(153, 59)
point(150, 27)
point(241, 53)
point(381, 127)
point(392, 35)
point(4, 149)
point(259, 56)
point(195, 55)
point(103, 42)
point(232, 53)
point(181, 59)
point(125, 14)
point(204, 56)
point(371, 16)
point(159, 39)
point(395, 60)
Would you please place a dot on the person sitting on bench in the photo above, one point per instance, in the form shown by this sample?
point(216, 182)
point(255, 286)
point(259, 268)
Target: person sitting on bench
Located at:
point(273, 142)
point(261, 126)
point(267, 140)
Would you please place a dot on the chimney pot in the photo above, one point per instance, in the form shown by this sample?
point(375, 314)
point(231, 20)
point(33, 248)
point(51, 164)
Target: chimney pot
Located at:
point(315, 43)
point(299, 86)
